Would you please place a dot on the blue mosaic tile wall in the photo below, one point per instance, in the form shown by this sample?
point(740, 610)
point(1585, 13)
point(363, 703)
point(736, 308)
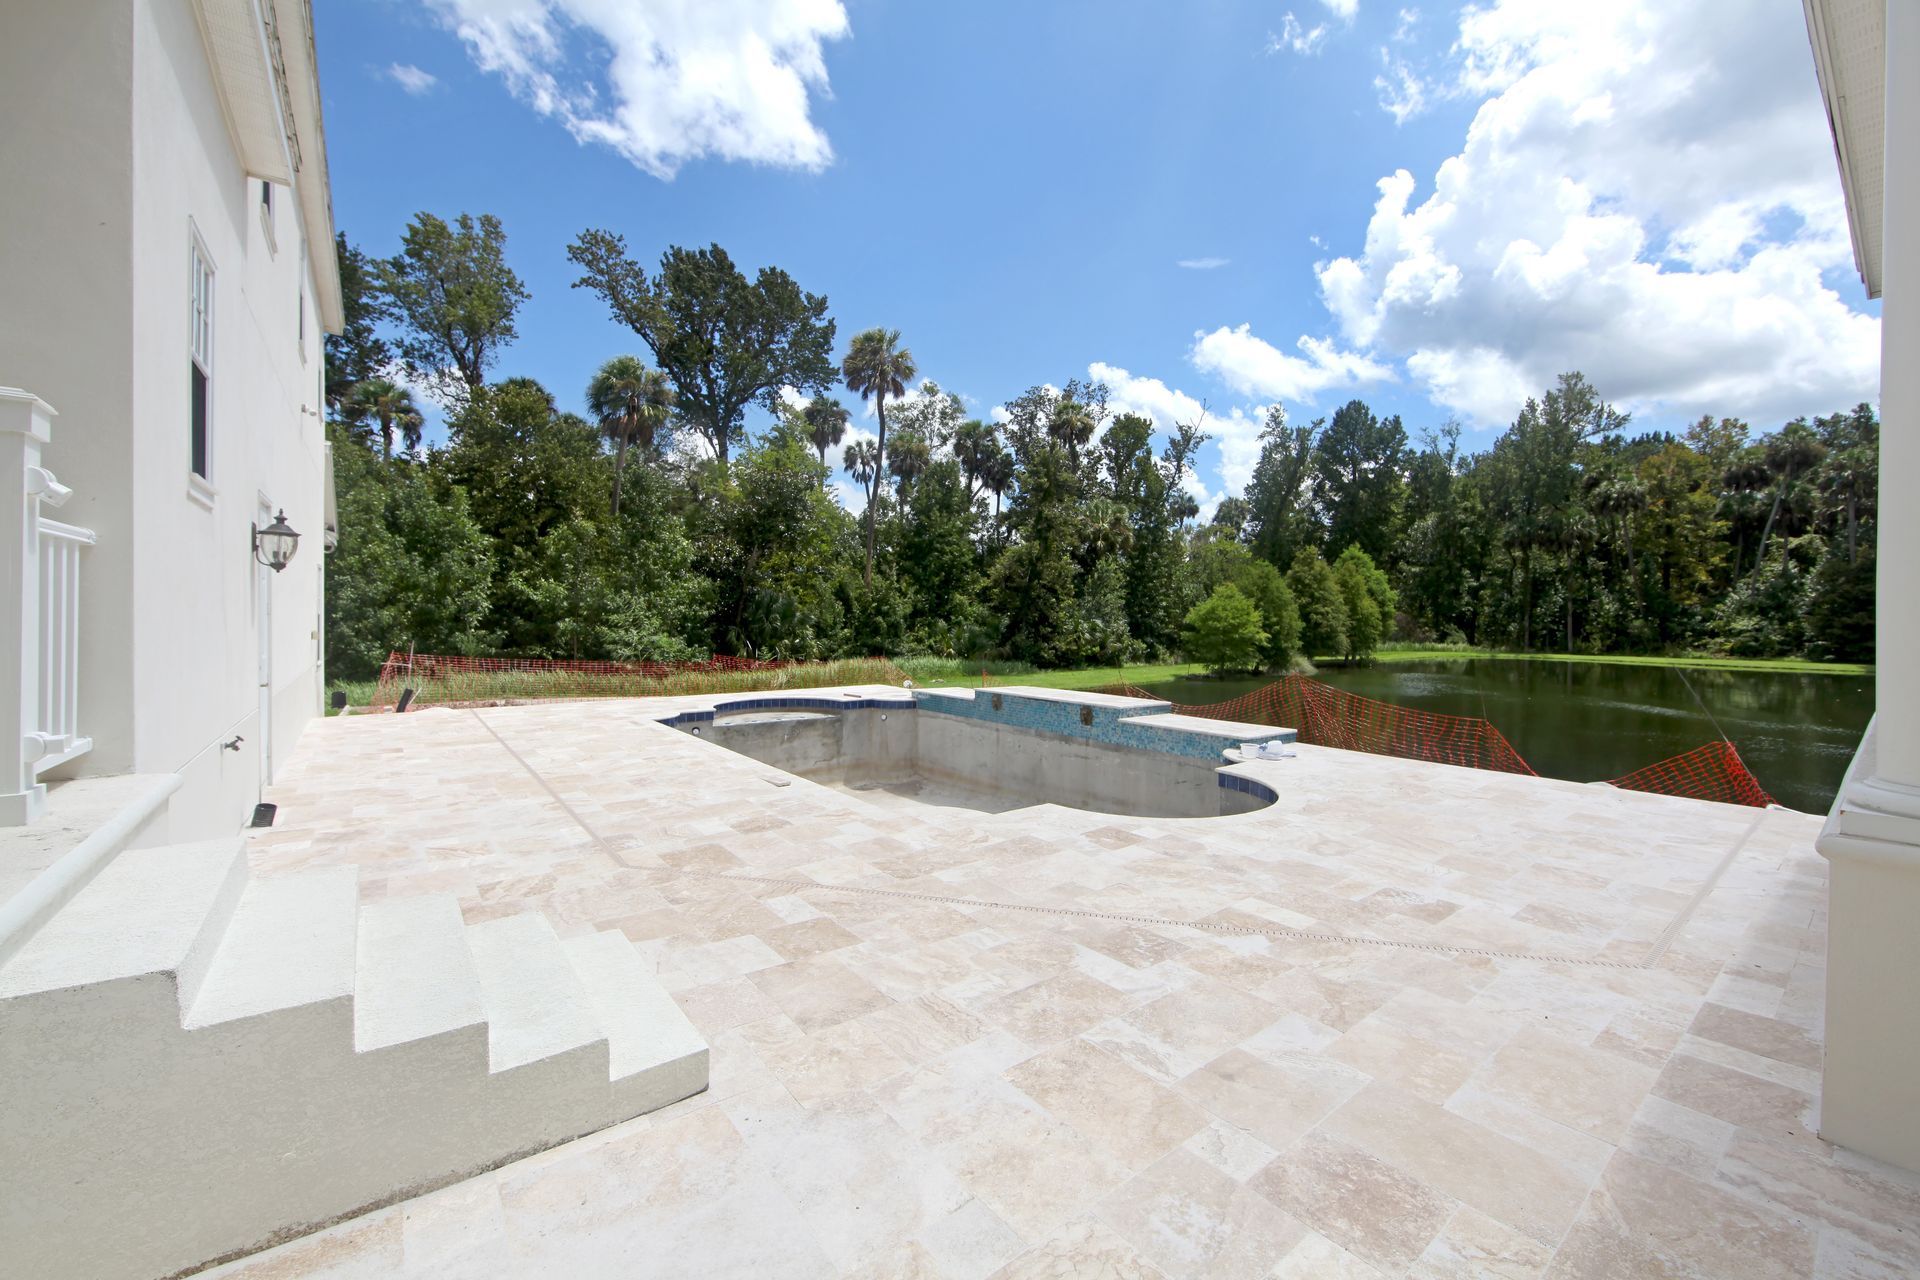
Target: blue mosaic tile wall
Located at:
point(1258, 790)
point(1048, 715)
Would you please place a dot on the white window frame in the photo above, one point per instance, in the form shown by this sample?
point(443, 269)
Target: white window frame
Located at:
point(267, 202)
point(300, 305)
point(202, 275)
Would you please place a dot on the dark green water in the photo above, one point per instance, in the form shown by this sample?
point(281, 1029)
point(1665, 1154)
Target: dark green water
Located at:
point(1586, 721)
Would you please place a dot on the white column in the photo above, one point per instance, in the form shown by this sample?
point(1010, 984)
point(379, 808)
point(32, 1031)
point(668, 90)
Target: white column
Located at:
point(25, 425)
point(1870, 1093)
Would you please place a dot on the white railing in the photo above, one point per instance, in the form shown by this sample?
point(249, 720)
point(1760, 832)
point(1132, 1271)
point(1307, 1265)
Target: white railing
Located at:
point(39, 613)
point(60, 546)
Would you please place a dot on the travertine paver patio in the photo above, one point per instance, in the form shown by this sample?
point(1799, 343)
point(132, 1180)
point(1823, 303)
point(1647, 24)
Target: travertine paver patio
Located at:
point(1412, 1020)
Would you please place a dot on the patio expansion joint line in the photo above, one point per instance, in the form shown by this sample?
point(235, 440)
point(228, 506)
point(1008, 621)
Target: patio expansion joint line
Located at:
point(612, 851)
point(1700, 895)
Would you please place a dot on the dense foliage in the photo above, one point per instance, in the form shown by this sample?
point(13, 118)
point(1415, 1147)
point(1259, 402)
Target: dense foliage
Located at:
point(1061, 533)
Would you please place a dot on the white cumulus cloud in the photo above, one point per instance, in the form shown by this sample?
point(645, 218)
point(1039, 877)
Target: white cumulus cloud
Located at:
point(1646, 193)
point(663, 82)
point(1235, 429)
point(1254, 367)
point(1201, 264)
point(411, 78)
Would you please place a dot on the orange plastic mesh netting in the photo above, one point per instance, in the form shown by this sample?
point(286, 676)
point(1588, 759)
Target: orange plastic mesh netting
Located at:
point(1330, 717)
point(1712, 772)
point(1326, 716)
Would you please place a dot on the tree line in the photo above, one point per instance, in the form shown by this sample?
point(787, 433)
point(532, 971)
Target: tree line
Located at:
point(1059, 532)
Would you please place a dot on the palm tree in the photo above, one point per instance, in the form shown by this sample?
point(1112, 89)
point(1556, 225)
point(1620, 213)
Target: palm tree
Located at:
point(863, 464)
point(997, 476)
point(631, 401)
point(910, 460)
point(1072, 425)
point(974, 444)
point(391, 405)
point(1790, 453)
point(877, 367)
point(826, 420)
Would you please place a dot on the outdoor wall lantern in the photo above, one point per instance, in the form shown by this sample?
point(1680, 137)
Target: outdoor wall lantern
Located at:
point(274, 545)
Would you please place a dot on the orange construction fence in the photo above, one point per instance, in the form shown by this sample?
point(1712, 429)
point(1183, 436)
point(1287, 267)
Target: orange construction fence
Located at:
point(1326, 716)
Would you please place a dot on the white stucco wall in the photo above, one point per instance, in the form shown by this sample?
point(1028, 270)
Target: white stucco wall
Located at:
point(170, 604)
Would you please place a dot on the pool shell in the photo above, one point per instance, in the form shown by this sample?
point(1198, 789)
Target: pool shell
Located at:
point(997, 749)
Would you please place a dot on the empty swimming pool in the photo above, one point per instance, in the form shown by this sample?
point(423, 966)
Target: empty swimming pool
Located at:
point(995, 750)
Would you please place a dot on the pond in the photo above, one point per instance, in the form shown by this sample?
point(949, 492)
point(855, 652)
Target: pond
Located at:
point(1587, 721)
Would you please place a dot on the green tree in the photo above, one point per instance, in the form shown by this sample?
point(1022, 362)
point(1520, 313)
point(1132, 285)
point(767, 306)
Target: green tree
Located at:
point(391, 409)
point(631, 402)
point(1279, 521)
point(1263, 584)
point(411, 568)
point(455, 298)
point(1359, 480)
point(1369, 601)
point(877, 368)
point(772, 542)
point(725, 342)
point(357, 353)
point(1322, 605)
point(1224, 633)
point(826, 420)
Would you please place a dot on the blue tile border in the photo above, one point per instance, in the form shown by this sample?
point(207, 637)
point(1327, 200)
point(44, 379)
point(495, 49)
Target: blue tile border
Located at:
point(789, 703)
point(1251, 786)
point(1127, 726)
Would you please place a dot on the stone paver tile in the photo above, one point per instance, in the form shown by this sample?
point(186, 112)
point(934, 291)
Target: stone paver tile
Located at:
point(818, 993)
point(1734, 1096)
point(1645, 1219)
point(1594, 1092)
point(806, 938)
point(1231, 1150)
point(1475, 1247)
point(1318, 1258)
point(1469, 1162)
point(970, 1243)
point(1191, 1220)
point(1361, 1203)
point(1056, 1008)
point(1386, 1051)
point(1274, 1101)
point(1128, 1115)
point(1084, 1249)
point(1034, 1171)
point(1873, 1202)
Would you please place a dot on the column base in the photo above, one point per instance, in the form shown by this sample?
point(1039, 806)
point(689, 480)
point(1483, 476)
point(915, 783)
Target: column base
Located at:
point(1870, 1092)
point(19, 808)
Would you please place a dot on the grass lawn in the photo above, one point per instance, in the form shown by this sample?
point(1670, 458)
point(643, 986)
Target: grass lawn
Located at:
point(949, 673)
point(1789, 666)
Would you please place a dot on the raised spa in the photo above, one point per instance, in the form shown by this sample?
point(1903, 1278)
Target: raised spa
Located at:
point(996, 749)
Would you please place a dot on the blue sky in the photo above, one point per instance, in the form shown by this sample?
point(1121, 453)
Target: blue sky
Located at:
point(1014, 187)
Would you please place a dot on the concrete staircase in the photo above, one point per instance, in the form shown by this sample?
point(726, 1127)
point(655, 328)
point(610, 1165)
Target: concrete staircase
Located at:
point(195, 1064)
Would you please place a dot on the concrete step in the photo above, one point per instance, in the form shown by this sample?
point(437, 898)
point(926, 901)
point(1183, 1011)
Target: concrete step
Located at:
point(414, 977)
point(536, 1008)
point(151, 915)
point(655, 1056)
point(289, 944)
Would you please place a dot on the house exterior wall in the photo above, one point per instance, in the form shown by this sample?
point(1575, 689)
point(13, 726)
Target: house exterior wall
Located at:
point(66, 320)
point(171, 605)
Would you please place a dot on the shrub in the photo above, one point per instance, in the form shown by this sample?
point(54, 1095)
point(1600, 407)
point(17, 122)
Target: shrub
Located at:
point(1224, 632)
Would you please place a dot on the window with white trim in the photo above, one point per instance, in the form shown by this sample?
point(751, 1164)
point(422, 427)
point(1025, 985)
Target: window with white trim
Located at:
point(200, 354)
